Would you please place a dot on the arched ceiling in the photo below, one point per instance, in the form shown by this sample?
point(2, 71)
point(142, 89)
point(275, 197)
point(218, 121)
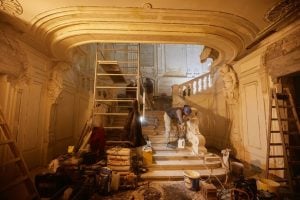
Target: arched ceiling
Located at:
point(226, 26)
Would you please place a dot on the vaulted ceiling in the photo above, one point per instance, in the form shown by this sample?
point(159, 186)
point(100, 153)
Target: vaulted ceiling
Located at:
point(229, 27)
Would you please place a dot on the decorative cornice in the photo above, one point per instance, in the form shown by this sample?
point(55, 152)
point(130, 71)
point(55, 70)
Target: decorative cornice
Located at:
point(63, 28)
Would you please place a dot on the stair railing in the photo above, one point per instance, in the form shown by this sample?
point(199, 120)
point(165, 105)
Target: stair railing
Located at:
point(196, 86)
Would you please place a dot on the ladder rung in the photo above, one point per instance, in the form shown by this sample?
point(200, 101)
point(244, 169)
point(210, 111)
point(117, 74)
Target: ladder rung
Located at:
point(110, 100)
point(276, 156)
point(284, 119)
point(282, 96)
point(113, 127)
point(277, 168)
point(122, 114)
point(11, 161)
point(16, 182)
point(6, 142)
point(282, 106)
point(114, 87)
point(286, 132)
point(275, 144)
point(102, 74)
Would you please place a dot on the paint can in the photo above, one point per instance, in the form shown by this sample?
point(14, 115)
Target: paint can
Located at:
point(191, 179)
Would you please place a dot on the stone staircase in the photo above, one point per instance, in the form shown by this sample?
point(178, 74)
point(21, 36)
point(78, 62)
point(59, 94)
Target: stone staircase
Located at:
point(170, 163)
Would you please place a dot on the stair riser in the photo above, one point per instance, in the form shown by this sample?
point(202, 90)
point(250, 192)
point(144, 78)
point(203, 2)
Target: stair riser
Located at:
point(183, 167)
point(179, 178)
point(175, 158)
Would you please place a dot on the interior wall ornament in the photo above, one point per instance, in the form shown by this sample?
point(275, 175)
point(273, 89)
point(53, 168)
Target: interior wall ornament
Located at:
point(147, 5)
point(230, 84)
point(208, 53)
point(11, 6)
point(280, 9)
point(284, 52)
point(55, 85)
point(14, 60)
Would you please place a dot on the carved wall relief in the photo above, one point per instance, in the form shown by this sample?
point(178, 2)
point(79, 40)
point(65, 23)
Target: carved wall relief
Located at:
point(55, 85)
point(13, 59)
point(282, 57)
point(11, 6)
point(230, 84)
point(282, 8)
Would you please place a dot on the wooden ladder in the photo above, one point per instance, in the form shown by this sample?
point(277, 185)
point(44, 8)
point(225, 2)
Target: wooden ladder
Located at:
point(16, 159)
point(282, 110)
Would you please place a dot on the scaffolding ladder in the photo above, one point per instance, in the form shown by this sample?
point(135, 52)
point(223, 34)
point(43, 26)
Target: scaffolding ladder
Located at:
point(281, 143)
point(116, 66)
point(13, 161)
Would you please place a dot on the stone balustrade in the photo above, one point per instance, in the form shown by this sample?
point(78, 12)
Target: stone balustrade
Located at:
point(195, 86)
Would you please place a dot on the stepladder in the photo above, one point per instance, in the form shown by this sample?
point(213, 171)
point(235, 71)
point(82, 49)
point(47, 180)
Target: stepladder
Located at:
point(283, 140)
point(15, 181)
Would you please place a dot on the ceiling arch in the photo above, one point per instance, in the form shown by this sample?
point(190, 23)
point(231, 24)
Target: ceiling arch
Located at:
point(61, 29)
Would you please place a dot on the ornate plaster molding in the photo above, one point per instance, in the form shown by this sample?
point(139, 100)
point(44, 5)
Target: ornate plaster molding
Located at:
point(208, 53)
point(55, 84)
point(280, 9)
point(283, 53)
point(11, 6)
point(14, 60)
point(62, 29)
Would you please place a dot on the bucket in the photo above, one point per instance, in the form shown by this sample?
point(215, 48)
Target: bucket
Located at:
point(115, 181)
point(191, 179)
point(181, 143)
point(267, 185)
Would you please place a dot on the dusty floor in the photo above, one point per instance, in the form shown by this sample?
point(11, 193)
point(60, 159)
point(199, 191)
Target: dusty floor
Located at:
point(173, 190)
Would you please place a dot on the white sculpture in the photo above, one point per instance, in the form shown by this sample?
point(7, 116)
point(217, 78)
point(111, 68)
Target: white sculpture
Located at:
point(230, 83)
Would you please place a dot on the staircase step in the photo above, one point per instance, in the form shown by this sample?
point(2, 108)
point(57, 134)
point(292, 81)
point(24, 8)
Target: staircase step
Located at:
point(184, 164)
point(179, 174)
point(175, 155)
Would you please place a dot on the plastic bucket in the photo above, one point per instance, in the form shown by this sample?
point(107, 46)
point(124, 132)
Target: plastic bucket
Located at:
point(267, 185)
point(191, 179)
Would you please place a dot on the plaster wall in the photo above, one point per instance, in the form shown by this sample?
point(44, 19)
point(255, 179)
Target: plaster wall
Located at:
point(41, 126)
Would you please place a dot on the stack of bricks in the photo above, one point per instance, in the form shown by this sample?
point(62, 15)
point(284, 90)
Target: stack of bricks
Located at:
point(208, 191)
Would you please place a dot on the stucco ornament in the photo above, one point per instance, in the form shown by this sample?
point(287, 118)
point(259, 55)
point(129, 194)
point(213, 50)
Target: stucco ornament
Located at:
point(55, 85)
point(230, 84)
point(11, 6)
